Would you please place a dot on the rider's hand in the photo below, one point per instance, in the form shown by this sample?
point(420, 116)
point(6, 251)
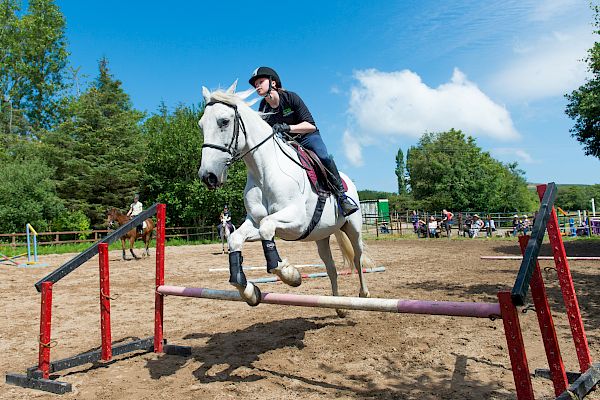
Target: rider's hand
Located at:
point(281, 128)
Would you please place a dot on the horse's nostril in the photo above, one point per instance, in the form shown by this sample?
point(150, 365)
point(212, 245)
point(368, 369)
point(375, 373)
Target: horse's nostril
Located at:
point(210, 180)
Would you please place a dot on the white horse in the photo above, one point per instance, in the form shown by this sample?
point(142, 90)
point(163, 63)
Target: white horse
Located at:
point(224, 232)
point(278, 196)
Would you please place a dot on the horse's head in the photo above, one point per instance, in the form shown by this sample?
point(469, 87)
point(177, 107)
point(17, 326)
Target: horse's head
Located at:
point(225, 136)
point(111, 217)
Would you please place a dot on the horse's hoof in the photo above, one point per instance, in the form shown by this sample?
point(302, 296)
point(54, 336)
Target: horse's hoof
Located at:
point(251, 294)
point(364, 294)
point(288, 274)
point(341, 313)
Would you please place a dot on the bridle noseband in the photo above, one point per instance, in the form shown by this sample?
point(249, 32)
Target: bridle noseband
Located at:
point(231, 149)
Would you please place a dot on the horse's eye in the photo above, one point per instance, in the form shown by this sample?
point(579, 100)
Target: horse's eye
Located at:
point(223, 122)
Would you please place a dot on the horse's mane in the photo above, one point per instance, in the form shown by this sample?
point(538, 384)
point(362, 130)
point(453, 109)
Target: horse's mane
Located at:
point(228, 98)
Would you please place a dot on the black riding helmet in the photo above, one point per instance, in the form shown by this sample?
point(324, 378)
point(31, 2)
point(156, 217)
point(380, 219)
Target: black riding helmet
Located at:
point(265, 72)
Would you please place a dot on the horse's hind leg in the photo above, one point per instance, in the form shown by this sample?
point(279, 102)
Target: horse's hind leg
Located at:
point(352, 231)
point(325, 253)
point(147, 243)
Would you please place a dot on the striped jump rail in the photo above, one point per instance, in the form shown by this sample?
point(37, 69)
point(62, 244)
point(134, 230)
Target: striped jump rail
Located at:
point(448, 308)
point(275, 279)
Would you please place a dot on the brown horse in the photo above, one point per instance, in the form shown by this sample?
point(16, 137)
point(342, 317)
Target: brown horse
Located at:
point(114, 215)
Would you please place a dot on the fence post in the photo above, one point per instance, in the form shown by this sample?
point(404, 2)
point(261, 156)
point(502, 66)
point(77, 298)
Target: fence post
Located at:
point(105, 331)
point(516, 347)
point(546, 323)
point(567, 288)
point(160, 277)
point(45, 330)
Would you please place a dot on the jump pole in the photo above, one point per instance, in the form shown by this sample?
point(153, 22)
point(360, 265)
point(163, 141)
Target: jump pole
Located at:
point(449, 308)
point(274, 279)
point(539, 258)
point(264, 268)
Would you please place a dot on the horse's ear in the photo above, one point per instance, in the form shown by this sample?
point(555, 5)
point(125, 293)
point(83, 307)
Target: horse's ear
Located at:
point(246, 93)
point(206, 94)
point(231, 89)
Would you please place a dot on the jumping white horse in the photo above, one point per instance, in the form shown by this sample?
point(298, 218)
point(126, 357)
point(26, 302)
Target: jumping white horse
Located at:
point(278, 196)
point(224, 232)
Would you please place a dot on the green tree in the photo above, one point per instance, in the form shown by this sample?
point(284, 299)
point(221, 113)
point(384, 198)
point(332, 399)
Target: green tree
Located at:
point(447, 170)
point(584, 102)
point(577, 197)
point(98, 151)
point(28, 194)
point(171, 170)
point(401, 172)
point(33, 54)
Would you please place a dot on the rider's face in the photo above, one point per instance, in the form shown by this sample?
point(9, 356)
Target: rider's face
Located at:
point(262, 86)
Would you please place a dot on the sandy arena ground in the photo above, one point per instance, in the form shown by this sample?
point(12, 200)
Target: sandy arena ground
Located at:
point(273, 352)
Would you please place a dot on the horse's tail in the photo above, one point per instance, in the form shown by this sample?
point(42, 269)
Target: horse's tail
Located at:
point(348, 252)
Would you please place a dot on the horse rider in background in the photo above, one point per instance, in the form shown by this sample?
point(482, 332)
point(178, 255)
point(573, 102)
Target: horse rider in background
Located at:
point(225, 216)
point(136, 209)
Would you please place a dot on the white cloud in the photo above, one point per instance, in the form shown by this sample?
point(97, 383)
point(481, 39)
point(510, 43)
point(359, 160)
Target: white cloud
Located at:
point(545, 67)
point(513, 154)
point(400, 104)
point(352, 149)
point(334, 89)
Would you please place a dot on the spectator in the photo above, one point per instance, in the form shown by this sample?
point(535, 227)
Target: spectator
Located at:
point(490, 227)
point(476, 226)
point(432, 227)
point(422, 228)
point(516, 225)
point(448, 221)
point(384, 228)
point(525, 225)
point(415, 222)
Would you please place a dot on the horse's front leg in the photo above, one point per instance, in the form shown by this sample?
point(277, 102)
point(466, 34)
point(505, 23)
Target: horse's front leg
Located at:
point(123, 246)
point(131, 243)
point(283, 219)
point(246, 232)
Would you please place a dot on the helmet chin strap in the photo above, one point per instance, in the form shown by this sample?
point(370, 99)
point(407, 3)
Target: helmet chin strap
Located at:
point(270, 88)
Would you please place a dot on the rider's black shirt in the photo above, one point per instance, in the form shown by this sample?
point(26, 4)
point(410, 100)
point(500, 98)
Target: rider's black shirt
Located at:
point(291, 110)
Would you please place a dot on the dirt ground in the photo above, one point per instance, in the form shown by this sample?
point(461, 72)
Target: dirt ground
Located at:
point(274, 352)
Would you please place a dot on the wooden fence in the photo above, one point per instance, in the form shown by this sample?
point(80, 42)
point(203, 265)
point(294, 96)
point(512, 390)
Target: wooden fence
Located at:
point(53, 238)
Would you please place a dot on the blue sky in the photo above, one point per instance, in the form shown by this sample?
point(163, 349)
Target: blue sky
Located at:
point(375, 75)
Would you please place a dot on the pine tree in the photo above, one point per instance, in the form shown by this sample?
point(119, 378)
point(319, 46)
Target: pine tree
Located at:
point(98, 151)
point(400, 172)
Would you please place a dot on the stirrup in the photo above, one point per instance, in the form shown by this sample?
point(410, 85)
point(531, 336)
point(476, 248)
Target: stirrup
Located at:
point(347, 205)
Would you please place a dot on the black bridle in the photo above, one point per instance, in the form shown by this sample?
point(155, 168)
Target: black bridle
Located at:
point(231, 149)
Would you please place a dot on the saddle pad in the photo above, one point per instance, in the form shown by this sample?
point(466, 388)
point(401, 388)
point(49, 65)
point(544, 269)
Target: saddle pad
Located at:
point(310, 162)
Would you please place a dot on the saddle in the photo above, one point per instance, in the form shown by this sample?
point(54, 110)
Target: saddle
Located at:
point(319, 180)
point(315, 170)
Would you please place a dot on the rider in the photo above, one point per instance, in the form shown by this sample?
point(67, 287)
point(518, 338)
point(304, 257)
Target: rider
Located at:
point(136, 209)
point(288, 115)
point(225, 215)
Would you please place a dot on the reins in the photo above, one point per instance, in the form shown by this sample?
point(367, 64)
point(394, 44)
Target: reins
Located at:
point(231, 149)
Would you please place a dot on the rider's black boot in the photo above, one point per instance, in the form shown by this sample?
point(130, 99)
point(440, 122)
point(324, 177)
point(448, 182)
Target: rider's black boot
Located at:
point(347, 205)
